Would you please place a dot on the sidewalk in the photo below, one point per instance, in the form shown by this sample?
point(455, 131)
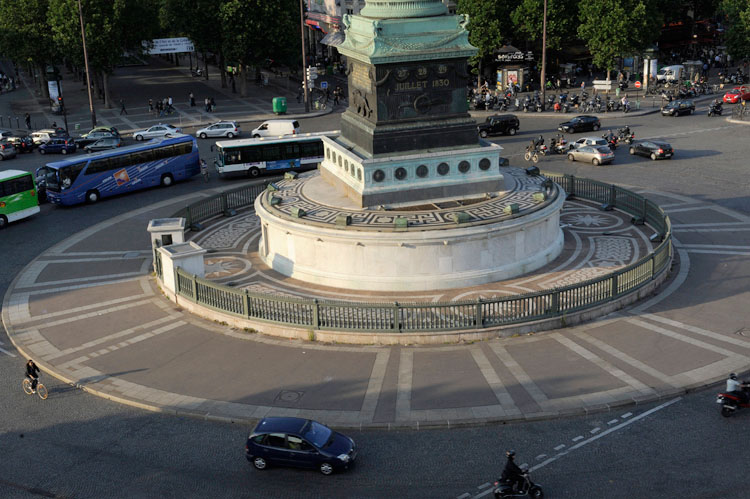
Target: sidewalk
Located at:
point(135, 85)
point(88, 312)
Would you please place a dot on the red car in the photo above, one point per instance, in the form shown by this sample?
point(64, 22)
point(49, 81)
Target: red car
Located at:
point(734, 95)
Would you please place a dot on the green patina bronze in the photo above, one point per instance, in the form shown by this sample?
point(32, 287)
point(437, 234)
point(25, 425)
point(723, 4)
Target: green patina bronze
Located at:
point(382, 9)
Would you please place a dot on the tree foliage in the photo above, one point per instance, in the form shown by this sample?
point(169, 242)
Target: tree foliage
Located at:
point(562, 21)
point(489, 24)
point(737, 36)
point(613, 28)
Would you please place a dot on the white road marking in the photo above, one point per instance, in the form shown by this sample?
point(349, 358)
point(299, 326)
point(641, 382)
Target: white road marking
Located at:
point(594, 438)
point(595, 430)
point(579, 437)
point(464, 496)
point(561, 446)
point(484, 485)
point(540, 457)
point(7, 352)
point(612, 422)
point(626, 415)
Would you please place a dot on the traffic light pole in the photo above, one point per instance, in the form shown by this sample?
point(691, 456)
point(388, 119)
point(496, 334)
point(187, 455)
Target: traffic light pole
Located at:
point(86, 63)
point(62, 106)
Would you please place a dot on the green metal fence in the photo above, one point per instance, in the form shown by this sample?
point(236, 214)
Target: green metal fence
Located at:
point(445, 316)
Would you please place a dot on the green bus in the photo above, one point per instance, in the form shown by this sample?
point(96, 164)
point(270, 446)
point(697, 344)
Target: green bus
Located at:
point(18, 196)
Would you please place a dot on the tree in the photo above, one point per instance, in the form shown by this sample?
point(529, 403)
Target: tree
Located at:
point(737, 13)
point(25, 35)
point(489, 26)
point(254, 31)
point(113, 27)
point(612, 28)
point(562, 21)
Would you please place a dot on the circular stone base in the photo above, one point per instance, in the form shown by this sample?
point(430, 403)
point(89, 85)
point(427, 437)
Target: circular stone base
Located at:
point(433, 252)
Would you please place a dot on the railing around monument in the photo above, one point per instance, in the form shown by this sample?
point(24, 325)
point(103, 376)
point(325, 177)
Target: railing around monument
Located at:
point(444, 316)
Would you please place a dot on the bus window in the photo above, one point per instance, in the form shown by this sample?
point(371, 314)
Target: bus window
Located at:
point(183, 148)
point(16, 185)
point(312, 149)
point(271, 153)
point(232, 158)
point(252, 155)
point(291, 151)
point(68, 174)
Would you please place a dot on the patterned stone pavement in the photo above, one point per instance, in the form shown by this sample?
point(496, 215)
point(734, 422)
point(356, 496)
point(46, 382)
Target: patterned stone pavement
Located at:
point(88, 312)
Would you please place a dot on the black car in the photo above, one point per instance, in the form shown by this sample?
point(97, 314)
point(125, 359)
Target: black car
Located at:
point(581, 123)
point(301, 443)
point(653, 149)
point(22, 143)
point(506, 124)
point(678, 107)
point(93, 136)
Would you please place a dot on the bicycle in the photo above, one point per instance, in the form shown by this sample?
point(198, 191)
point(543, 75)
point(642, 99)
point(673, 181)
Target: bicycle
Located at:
point(41, 390)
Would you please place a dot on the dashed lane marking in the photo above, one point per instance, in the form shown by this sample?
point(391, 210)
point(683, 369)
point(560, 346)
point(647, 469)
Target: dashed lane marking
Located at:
point(579, 437)
point(561, 446)
point(592, 439)
point(7, 352)
point(484, 485)
point(595, 430)
point(612, 422)
point(626, 415)
point(540, 457)
point(464, 496)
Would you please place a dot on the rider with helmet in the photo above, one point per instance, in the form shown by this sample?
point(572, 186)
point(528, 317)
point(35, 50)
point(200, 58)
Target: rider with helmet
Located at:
point(512, 474)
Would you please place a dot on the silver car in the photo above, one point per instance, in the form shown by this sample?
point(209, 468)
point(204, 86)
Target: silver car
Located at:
point(588, 141)
point(596, 155)
point(228, 129)
point(159, 131)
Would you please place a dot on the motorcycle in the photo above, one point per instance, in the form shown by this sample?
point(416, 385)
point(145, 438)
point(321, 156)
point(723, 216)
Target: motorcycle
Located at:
point(714, 109)
point(534, 151)
point(730, 402)
point(611, 139)
point(558, 145)
point(526, 103)
point(538, 106)
point(625, 135)
point(196, 72)
point(503, 489)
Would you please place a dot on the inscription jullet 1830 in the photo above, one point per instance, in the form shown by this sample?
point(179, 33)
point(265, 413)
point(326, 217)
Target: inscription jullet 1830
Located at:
point(422, 85)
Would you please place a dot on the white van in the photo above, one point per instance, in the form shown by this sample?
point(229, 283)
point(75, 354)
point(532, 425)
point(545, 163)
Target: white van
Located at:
point(671, 73)
point(42, 136)
point(276, 128)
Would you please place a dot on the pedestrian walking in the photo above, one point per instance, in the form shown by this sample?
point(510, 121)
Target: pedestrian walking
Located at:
point(299, 94)
point(27, 119)
point(213, 105)
point(336, 96)
point(122, 108)
point(207, 104)
point(150, 106)
point(192, 99)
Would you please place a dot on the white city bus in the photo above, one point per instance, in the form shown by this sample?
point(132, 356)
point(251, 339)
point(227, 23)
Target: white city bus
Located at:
point(254, 157)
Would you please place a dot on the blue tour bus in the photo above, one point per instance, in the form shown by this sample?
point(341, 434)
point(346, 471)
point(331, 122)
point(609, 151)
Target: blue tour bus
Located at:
point(117, 171)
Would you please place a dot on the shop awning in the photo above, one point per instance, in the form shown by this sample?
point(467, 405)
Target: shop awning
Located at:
point(334, 39)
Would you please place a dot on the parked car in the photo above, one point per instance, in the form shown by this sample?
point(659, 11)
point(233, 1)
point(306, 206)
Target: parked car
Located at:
point(62, 145)
point(104, 144)
point(301, 443)
point(588, 141)
point(7, 151)
point(93, 136)
point(4, 134)
point(736, 94)
point(109, 129)
point(653, 149)
point(506, 124)
point(580, 123)
point(276, 128)
point(228, 129)
point(22, 143)
point(678, 107)
point(596, 155)
point(159, 131)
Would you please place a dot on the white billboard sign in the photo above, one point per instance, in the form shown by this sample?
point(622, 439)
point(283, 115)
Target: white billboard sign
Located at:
point(169, 46)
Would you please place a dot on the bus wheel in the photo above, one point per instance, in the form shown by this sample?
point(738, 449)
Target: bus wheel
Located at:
point(92, 197)
point(253, 172)
point(3, 222)
point(166, 180)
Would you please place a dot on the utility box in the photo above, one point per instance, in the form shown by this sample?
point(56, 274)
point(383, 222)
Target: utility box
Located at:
point(279, 105)
point(166, 231)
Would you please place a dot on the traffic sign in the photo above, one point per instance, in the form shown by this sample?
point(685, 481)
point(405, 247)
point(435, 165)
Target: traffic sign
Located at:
point(637, 84)
point(323, 85)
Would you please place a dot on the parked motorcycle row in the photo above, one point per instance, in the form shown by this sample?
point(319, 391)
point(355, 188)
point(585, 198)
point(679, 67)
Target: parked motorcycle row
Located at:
point(736, 78)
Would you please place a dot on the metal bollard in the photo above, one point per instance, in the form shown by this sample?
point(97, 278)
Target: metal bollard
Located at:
point(18, 123)
point(1, 121)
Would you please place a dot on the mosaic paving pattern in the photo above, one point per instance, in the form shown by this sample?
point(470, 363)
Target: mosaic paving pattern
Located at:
point(521, 189)
point(596, 243)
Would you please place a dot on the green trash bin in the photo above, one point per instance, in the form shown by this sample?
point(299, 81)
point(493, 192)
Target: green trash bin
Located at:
point(279, 105)
point(329, 70)
point(617, 91)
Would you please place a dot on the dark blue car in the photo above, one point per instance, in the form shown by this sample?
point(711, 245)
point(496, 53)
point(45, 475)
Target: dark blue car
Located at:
point(301, 443)
point(62, 145)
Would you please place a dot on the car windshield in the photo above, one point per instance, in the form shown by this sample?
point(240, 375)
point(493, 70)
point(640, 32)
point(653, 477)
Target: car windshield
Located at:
point(603, 150)
point(316, 433)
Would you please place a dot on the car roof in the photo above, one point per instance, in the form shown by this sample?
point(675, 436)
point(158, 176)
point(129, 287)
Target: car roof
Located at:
point(280, 425)
point(591, 138)
point(503, 116)
point(658, 142)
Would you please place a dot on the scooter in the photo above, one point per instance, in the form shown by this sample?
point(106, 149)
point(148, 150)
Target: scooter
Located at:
point(558, 145)
point(527, 488)
point(611, 139)
point(196, 72)
point(625, 135)
point(526, 103)
point(731, 403)
point(715, 109)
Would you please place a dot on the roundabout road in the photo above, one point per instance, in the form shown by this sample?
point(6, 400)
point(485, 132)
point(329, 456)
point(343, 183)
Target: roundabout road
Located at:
point(89, 447)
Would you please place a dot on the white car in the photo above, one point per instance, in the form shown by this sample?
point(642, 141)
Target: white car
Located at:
point(159, 131)
point(588, 141)
point(228, 129)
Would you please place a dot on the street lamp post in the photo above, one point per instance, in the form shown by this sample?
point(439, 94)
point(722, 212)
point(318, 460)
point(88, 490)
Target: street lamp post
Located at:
point(86, 63)
point(544, 54)
point(304, 57)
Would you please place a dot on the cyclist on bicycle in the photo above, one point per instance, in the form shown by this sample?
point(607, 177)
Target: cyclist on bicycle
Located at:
point(32, 372)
